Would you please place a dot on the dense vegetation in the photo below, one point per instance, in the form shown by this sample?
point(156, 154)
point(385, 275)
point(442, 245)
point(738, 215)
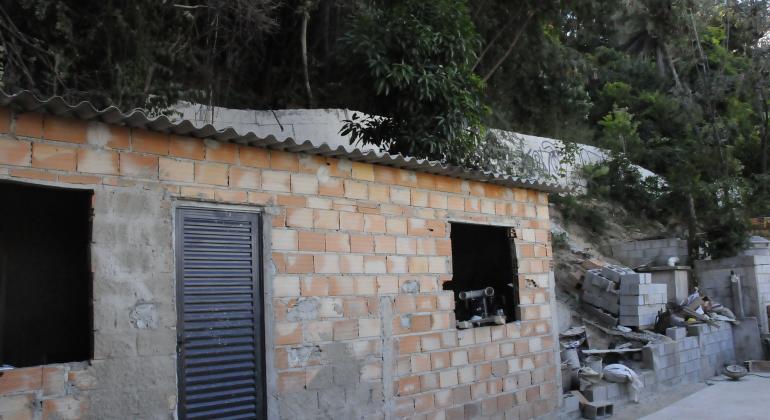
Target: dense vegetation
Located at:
point(680, 87)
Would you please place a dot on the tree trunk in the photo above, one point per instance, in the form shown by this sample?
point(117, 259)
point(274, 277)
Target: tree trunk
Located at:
point(692, 223)
point(765, 117)
point(492, 42)
point(513, 43)
point(303, 43)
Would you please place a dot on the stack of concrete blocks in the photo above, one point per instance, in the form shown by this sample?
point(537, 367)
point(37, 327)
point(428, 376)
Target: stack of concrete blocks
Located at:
point(674, 362)
point(694, 353)
point(640, 299)
point(717, 347)
point(653, 252)
point(620, 392)
point(629, 295)
point(700, 355)
point(600, 291)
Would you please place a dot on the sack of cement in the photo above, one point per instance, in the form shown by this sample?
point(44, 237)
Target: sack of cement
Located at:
point(623, 374)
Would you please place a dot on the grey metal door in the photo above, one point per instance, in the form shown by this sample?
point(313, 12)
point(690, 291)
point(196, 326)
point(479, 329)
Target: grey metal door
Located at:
point(220, 321)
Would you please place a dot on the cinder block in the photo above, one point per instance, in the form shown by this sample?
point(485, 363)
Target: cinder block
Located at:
point(677, 333)
point(614, 272)
point(632, 300)
point(636, 278)
point(597, 410)
point(596, 392)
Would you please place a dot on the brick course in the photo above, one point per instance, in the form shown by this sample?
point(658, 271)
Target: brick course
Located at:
point(368, 245)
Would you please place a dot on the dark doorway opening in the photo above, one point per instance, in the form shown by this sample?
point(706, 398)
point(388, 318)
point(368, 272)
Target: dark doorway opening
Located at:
point(483, 257)
point(45, 276)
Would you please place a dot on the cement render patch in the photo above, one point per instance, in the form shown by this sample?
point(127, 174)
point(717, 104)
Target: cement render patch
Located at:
point(745, 399)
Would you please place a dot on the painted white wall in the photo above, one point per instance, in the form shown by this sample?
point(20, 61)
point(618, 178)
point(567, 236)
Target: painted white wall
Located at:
point(323, 125)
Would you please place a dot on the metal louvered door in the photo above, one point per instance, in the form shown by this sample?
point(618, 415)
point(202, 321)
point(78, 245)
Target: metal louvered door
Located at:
point(220, 346)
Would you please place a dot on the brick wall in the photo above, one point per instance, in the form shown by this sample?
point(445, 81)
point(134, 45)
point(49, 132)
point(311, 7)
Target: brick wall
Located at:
point(360, 324)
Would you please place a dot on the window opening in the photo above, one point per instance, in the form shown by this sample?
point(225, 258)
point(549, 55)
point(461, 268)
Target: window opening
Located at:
point(45, 275)
point(484, 277)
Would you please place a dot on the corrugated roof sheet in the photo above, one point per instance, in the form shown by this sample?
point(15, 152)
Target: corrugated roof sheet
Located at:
point(26, 101)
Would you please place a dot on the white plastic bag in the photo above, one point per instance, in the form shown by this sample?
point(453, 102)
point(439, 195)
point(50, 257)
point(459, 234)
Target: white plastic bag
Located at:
point(621, 374)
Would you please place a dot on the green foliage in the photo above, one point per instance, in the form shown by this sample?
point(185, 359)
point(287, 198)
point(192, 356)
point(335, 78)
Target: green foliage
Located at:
point(417, 68)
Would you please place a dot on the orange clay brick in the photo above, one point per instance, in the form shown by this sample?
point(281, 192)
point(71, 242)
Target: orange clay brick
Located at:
point(211, 173)
point(361, 243)
point(292, 200)
point(284, 239)
point(409, 385)
point(301, 218)
point(217, 151)
point(284, 161)
point(276, 181)
point(198, 192)
point(149, 142)
point(245, 178)
point(419, 198)
point(331, 187)
point(379, 193)
point(64, 129)
point(231, 196)
point(409, 344)
point(80, 179)
point(352, 221)
point(97, 162)
point(21, 380)
point(326, 219)
point(310, 164)
point(356, 190)
point(254, 157)
point(106, 135)
point(299, 263)
point(15, 152)
point(176, 170)
point(314, 286)
point(140, 166)
point(32, 174)
point(385, 175)
point(186, 147)
point(260, 198)
point(29, 124)
point(363, 171)
point(384, 244)
point(337, 242)
point(311, 241)
point(351, 264)
point(53, 157)
point(374, 223)
point(304, 184)
point(446, 184)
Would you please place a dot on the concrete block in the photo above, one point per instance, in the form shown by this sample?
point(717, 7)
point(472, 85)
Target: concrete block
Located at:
point(632, 299)
point(597, 410)
point(697, 330)
point(636, 278)
point(596, 392)
point(570, 404)
point(642, 289)
point(613, 272)
point(677, 333)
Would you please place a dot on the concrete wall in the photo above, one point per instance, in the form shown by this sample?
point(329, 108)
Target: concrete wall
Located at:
point(655, 251)
point(714, 279)
point(529, 153)
point(358, 324)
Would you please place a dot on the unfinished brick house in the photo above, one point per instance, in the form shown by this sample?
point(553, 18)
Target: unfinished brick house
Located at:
point(151, 269)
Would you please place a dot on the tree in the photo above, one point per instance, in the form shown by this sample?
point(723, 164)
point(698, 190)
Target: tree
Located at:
point(421, 97)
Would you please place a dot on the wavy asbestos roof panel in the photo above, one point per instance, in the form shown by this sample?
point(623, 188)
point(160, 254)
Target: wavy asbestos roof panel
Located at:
point(26, 101)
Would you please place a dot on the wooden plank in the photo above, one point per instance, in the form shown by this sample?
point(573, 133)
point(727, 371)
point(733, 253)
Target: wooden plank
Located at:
point(610, 351)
